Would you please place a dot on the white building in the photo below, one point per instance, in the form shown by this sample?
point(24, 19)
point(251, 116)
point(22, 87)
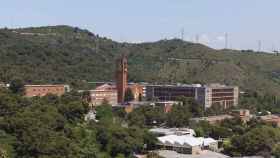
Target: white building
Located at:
point(172, 131)
point(187, 144)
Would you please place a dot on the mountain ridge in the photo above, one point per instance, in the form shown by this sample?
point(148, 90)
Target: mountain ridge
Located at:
point(64, 54)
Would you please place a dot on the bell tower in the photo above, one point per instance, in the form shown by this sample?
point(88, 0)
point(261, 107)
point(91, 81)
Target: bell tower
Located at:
point(121, 78)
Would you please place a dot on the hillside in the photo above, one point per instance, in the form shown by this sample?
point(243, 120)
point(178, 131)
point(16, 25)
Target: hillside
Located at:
point(58, 54)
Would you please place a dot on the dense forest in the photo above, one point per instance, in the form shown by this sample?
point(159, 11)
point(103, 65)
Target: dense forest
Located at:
point(64, 54)
point(54, 127)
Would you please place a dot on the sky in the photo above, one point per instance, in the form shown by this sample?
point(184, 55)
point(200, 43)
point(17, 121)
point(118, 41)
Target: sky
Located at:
point(245, 21)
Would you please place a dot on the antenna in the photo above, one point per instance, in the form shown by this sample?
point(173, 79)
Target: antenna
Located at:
point(226, 40)
point(259, 46)
point(197, 38)
point(183, 34)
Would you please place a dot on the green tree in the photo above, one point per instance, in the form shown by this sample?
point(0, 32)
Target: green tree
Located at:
point(179, 116)
point(195, 109)
point(276, 150)
point(104, 112)
point(258, 141)
point(3, 153)
point(17, 86)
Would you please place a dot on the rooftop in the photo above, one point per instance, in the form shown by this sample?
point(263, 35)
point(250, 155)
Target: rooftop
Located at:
point(173, 131)
point(213, 118)
point(204, 154)
point(186, 140)
point(46, 85)
point(270, 118)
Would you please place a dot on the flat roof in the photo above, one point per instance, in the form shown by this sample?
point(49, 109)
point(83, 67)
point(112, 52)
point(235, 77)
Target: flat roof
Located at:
point(179, 85)
point(212, 118)
point(47, 85)
point(185, 140)
point(170, 131)
point(203, 154)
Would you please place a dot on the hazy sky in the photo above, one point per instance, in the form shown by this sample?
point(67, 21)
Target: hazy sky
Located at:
point(245, 21)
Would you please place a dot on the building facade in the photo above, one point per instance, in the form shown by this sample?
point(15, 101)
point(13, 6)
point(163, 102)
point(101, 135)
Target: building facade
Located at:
point(211, 119)
point(103, 93)
point(226, 96)
point(121, 78)
point(43, 90)
point(207, 96)
point(170, 92)
point(137, 91)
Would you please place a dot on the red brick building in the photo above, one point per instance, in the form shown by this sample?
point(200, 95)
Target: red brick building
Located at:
point(121, 78)
point(42, 90)
point(103, 93)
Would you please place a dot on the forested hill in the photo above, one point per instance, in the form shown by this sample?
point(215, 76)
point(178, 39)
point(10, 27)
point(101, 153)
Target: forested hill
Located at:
point(59, 54)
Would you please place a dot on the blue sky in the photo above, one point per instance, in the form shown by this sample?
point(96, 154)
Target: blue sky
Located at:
point(245, 21)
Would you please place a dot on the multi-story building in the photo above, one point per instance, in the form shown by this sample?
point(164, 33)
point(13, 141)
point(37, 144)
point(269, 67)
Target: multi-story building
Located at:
point(42, 90)
point(170, 92)
point(103, 93)
point(225, 96)
point(207, 96)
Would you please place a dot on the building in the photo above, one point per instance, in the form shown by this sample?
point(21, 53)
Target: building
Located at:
point(167, 105)
point(105, 92)
point(207, 95)
point(211, 119)
point(42, 90)
point(137, 91)
point(121, 78)
point(271, 119)
point(3, 85)
point(172, 131)
point(243, 114)
point(225, 96)
point(203, 154)
point(170, 92)
point(186, 144)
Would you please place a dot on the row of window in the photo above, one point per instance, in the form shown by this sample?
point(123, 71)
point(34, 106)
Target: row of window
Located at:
point(57, 89)
point(104, 95)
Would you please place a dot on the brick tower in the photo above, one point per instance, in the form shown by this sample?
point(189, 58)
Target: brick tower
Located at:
point(121, 78)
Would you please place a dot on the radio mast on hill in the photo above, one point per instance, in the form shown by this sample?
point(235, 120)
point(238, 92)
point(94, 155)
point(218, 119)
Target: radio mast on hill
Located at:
point(197, 38)
point(259, 46)
point(183, 34)
point(226, 40)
